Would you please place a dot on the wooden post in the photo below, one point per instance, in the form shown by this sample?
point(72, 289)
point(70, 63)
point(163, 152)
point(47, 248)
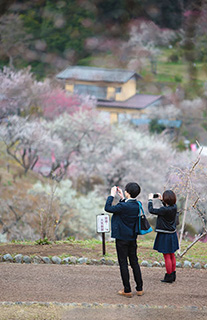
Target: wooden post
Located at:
point(103, 243)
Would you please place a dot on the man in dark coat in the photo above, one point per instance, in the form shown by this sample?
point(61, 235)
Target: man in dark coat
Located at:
point(124, 219)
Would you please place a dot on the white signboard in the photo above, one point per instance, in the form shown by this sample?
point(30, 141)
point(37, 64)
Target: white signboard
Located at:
point(102, 223)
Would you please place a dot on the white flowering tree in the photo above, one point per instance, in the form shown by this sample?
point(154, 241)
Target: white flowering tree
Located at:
point(77, 140)
point(144, 39)
point(76, 214)
point(188, 179)
point(137, 156)
point(28, 141)
point(20, 94)
point(84, 136)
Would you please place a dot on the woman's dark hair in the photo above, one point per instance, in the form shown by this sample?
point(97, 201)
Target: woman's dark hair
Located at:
point(133, 189)
point(169, 197)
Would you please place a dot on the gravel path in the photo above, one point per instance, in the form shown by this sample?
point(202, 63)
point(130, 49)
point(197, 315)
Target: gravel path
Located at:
point(89, 289)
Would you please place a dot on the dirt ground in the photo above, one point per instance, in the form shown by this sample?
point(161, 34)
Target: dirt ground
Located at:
point(69, 249)
point(93, 291)
point(55, 250)
point(86, 292)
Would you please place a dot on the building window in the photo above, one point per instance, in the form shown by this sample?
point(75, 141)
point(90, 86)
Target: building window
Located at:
point(98, 92)
point(118, 90)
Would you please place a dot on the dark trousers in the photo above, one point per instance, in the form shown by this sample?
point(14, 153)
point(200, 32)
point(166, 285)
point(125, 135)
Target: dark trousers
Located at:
point(125, 250)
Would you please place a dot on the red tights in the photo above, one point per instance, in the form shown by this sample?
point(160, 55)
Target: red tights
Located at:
point(170, 262)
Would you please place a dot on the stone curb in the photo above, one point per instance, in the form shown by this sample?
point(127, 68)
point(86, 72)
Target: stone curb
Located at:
point(100, 305)
point(19, 258)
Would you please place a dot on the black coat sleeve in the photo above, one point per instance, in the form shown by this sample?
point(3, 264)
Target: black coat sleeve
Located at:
point(157, 212)
point(113, 209)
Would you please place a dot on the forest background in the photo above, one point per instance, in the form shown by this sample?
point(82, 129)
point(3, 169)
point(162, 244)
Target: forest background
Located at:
point(59, 156)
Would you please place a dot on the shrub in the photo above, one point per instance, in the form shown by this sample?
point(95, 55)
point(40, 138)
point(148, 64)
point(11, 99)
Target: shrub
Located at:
point(155, 127)
point(43, 241)
point(173, 57)
point(178, 78)
point(204, 125)
point(189, 230)
point(181, 145)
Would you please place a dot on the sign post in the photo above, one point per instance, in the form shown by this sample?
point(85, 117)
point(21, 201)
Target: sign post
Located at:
point(103, 226)
point(103, 244)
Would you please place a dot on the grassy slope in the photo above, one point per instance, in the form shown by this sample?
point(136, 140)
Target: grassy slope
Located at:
point(168, 73)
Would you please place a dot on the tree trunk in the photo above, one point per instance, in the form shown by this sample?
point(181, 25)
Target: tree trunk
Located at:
point(183, 222)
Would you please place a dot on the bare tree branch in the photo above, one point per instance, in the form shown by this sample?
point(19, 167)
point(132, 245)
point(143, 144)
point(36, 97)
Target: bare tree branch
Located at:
point(192, 244)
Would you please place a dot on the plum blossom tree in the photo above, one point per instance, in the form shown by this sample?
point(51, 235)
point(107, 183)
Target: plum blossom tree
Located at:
point(169, 111)
point(193, 116)
point(28, 141)
point(58, 101)
point(96, 153)
point(76, 140)
point(137, 156)
point(84, 136)
point(76, 215)
point(188, 179)
point(20, 94)
point(144, 39)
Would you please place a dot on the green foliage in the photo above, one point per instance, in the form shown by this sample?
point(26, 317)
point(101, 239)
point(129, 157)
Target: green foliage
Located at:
point(204, 125)
point(60, 25)
point(155, 127)
point(181, 146)
point(178, 78)
point(193, 89)
point(71, 239)
point(42, 242)
point(121, 11)
point(25, 242)
point(190, 229)
point(201, 43)
point(204, 113)
point(91, 242)
point(173, 57)
point(57, 30)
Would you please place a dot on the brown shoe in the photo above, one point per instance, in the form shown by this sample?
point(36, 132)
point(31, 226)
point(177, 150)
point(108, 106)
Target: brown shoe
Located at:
point(125, 294)
point(140, 293)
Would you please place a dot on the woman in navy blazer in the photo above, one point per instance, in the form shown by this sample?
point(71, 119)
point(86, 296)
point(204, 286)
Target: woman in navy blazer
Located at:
point(125, 215)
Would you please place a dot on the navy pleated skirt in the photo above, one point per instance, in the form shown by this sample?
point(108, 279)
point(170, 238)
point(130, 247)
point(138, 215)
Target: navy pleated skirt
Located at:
point(166, 242)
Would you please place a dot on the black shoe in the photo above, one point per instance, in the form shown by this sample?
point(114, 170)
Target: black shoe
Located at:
point(174, 275)
point(168, 278)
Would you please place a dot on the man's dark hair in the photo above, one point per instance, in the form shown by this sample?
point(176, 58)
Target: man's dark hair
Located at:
point(133, 189)
point(169, 197)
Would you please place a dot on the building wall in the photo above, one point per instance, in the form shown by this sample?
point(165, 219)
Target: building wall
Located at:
point(115, 112)
point(114, 91)
point(69, 87)
point(128, 90)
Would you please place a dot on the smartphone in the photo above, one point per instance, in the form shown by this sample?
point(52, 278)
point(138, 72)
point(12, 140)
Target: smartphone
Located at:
point(155, 195)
